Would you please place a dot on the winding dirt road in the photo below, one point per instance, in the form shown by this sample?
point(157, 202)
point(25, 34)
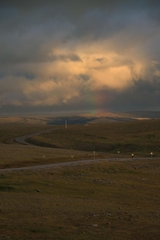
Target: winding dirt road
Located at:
point(22, 140)
point(71, 163)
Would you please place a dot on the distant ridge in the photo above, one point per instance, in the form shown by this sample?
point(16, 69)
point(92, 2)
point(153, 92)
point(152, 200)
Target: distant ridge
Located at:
point(144, 114)
point(81, 118)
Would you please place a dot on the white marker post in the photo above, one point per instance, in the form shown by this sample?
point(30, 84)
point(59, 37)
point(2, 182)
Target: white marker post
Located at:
point(151, 154)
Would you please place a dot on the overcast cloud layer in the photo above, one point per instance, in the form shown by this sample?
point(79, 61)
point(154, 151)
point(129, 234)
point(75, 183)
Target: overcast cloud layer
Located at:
point(67, 54)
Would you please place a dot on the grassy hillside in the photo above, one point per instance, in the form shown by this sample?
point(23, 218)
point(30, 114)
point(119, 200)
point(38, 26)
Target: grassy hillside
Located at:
point(13, 154)
point(9, 131)
point(78, 142)
point(139, 137)
point(105, 200)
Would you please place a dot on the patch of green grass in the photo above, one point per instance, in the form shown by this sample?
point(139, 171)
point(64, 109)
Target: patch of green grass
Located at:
point(6, 188)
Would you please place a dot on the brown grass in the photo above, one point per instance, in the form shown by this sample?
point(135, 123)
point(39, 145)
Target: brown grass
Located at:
point(106, 201)
point(112, 200)
point(138, 137)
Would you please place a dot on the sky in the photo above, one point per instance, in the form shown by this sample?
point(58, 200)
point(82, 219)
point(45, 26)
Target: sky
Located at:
point(79, 55)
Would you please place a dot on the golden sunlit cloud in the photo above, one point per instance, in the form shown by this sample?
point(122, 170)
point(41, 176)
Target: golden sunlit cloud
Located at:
point(61, 80)
point(64, 54)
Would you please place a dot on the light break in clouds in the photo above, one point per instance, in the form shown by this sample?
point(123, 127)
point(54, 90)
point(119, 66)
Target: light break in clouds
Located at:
point(79, 55)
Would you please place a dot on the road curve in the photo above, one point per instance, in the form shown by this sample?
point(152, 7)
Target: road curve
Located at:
point(22, 139)
point(71, 163)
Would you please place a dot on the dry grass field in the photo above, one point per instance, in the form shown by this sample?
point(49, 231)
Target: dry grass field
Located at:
point(13, 154)
point(138, 137)
point(106, 200)
point(112, 200)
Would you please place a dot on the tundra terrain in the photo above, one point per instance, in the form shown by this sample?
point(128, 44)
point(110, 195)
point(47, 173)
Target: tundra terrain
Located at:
point(105, 200)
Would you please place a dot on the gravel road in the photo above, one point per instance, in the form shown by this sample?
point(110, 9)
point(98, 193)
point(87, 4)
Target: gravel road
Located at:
point(22, 140)
point(71, 163)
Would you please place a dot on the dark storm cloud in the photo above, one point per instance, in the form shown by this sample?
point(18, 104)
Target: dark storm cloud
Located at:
point(31, 25)
point(142, 96)
point(67, 52)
